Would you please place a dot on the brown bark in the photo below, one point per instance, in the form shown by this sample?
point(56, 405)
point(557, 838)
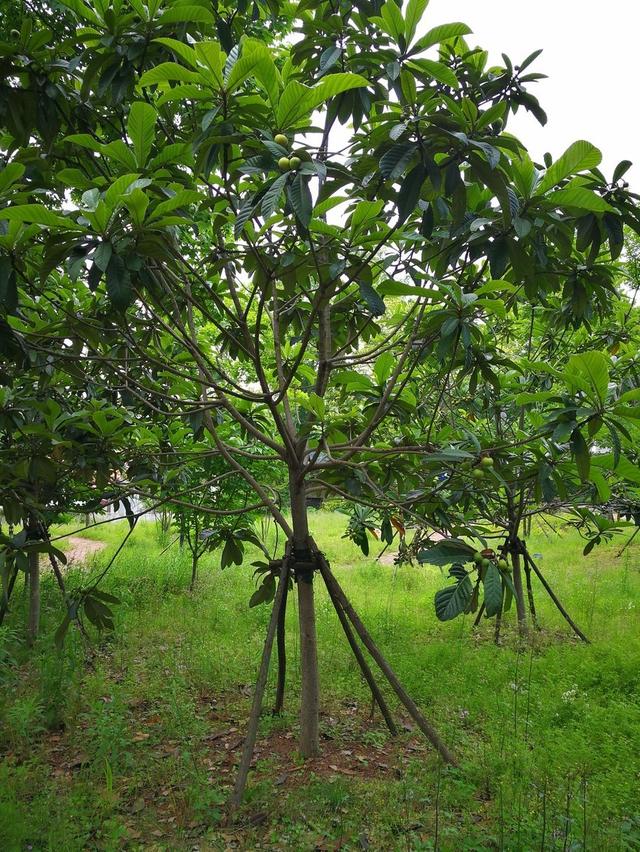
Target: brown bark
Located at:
point(310, 688)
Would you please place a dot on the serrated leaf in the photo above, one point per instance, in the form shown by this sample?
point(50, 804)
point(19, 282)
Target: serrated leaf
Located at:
point(453, 600)
point(492, 583)
point(272, 196)
point(300, 199)
point(394, 161)
point(374, 302)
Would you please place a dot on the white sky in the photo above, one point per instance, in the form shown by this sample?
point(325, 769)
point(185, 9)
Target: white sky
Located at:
point(591, 55)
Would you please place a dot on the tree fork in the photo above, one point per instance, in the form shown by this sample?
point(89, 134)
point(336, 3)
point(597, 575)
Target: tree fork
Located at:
point(256, 707)
point(386, 669)
point(553, 596)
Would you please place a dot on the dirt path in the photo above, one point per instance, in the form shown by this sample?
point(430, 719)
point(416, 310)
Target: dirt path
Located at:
point(81, 548)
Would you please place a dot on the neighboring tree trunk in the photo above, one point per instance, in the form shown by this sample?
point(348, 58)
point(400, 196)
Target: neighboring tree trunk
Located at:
point(523, 627)
point(310, 690)
point(194, 571)
point(33, 622)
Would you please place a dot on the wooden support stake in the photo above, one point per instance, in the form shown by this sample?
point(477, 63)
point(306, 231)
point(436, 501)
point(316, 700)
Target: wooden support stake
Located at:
point(282, 652)
point(405, 698)
point(553, 596)
point(364, 666)
point(256, 707)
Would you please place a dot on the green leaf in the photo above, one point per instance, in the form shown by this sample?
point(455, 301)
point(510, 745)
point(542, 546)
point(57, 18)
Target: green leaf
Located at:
point(141, 128)
point(180, 199)
point(413, 15)
point(453, 600)
point(265, 592)
point(119, 283)
point(298, 101)
point(10, 174)
point(272, 196)
point(383, 367)
point(440, 72)
point(492, 582)
point(409, 193)
point(399, 288)
point(300, 199)
point(394, 161)
point(580, 450)
point(34, 214)
point(183, 50)
point(255, 56)
point(168, 72)
point(589, 371)
point(580, 196)
point(579, 157)
point(61, 632)
point(391, 20)
point(373, 300)
point(446, 552)
point(365, 212)
point(187, 15)
point(437, 35)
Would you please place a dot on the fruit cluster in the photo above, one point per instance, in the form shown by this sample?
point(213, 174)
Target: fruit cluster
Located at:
point(483, 558)
point(286, 164)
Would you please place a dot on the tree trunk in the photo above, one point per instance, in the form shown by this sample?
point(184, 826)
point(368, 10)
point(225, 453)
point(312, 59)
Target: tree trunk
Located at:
point(523, 627)
point(194, 571)
point(310, 691)
point(33, 622)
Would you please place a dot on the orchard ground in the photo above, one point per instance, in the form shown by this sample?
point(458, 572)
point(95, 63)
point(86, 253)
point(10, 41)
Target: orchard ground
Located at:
point(133, 742)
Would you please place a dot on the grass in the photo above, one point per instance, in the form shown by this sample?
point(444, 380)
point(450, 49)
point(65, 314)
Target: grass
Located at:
point(132, 742)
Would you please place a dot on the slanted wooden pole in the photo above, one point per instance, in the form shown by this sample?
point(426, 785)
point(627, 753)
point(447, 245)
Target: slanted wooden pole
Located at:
point(426, 728)
point(256, 707)
point(282, 653)
point(553, 596)
point(364, 666)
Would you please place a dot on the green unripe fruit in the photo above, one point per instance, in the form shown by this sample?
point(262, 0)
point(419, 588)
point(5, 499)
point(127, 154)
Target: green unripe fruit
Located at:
point(477, 557)
point(486, 461)
point(281, 139)
point(284, 164)
point(477, 473)
point(295, 162)
point(486, 563)
point(503, 564)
